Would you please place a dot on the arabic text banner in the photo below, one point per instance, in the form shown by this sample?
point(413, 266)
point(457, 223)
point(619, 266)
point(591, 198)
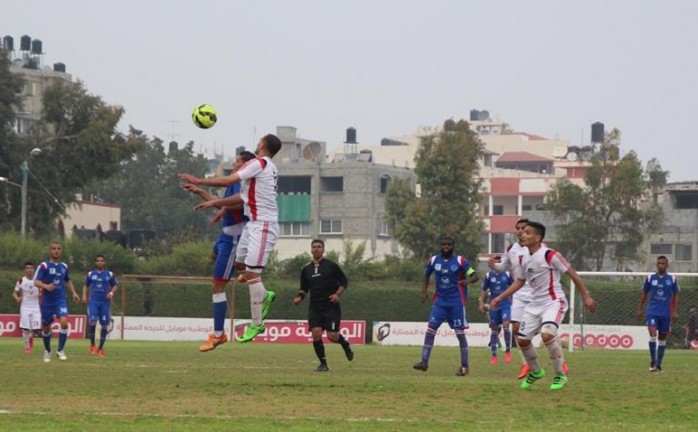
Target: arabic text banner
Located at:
point(9, 326)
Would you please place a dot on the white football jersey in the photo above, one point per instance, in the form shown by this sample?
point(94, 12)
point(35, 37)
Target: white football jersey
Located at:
point(258, 192)
point(30, 292)
point(510, 261)
point(542, 271)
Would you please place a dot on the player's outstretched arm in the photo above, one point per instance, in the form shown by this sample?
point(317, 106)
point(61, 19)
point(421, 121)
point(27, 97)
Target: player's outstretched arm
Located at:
point(517, 285)
point(589, 302)
point(204, 195)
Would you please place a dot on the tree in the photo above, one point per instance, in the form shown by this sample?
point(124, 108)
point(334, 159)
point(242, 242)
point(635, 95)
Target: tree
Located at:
point(610, 207)
point(148, 191)
point(10, 102)
point(447, 168)
point(79, 143)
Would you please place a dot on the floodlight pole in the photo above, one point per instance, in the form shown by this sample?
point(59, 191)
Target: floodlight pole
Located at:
point(25, 171)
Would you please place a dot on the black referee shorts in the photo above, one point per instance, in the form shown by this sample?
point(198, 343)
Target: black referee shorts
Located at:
point(327, 317)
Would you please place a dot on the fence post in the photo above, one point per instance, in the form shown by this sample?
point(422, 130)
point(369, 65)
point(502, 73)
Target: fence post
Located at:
point(570, 344)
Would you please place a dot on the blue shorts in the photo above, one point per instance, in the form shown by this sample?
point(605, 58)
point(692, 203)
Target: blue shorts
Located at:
point(455, 315)
point(662, 323)
point(48, 310)
point(501, 314)
point(224, 248)
point(100, 311)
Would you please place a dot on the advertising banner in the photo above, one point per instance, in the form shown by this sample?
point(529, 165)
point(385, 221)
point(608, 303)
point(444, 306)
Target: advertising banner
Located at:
point(9, 326)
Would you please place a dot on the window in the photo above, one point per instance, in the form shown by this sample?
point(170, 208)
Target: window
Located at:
point(331, 184)
point(385, 182)
point(684, 252)
point(384, 228)
point(295, 229)
point(331, 226)
point(113, 226)
point(294, 184)
point(497, 210)
point(526, 207)
point(661, 249)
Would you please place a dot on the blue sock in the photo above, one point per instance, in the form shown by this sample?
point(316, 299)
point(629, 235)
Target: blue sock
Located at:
point(220, 308)
point(104, 331)
point(660, 352)
point(428, 345)
point(463, 342)
point(47, 340)
point(494, 341)
point(62, 337)
point(653, 350)
point(93, 328)
point(507, 338)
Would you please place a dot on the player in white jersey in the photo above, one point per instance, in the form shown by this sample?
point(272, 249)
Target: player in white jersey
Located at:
point(259, 184)
point(27, 294)
point(542, 268)
point(507, 262)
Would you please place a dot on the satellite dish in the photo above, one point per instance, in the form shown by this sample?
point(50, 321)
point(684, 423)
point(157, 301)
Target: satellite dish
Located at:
point(571, 156)
point(312, 151)
point(559, 152)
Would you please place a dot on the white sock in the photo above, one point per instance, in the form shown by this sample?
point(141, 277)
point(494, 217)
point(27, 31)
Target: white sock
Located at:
point(257, 296)
point(555, 350)
point(531, 357)
point(26, 335)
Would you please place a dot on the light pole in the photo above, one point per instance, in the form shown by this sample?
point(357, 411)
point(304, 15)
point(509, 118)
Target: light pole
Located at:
point(24, 168)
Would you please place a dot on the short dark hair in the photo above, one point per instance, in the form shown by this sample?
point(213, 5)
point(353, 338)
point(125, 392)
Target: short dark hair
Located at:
point(447, 238)
point(246, 155)
point(100, 256)
point(664, 258)
point(272, 143)
point(539, 227)
point(522, 220)
point(28, 263)
point(322, 242)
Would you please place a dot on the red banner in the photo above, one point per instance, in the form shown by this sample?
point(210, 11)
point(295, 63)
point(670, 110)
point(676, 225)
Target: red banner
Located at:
point(298, 332)
point(9, 326)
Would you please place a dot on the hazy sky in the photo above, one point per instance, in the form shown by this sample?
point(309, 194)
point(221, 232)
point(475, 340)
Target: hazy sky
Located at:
point(385, 67)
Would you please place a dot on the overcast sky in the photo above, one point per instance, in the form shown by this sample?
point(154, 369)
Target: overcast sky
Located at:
point(385, 67)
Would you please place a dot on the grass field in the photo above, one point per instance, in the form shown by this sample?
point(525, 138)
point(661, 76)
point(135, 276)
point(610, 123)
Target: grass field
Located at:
point(170, 386)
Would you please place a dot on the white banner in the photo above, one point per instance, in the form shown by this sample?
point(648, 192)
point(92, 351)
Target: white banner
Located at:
point(598, 336)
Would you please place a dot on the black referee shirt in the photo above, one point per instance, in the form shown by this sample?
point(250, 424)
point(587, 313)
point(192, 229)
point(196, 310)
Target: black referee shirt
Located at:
point(322, 281)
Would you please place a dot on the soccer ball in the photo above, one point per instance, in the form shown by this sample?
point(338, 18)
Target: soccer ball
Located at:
point(204, 116)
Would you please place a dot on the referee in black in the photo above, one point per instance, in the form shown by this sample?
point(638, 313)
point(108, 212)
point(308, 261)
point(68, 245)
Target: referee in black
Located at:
point(326, 283)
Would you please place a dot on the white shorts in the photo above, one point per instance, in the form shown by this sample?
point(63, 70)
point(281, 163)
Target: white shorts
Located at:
point(30, 318)
point(256, 243)
point(517, 309)
point(536, 314)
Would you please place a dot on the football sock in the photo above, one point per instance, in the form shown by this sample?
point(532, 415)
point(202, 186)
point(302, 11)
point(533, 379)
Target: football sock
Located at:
point(494, 340)
point(26, 335)
point(320, 351)
point(220, 307)
point(428, 344)
point(257, 296)
point(463, 342)
point(555, 351)
point(93, 328)
point(103, 332)
point(343, 342)
point(47, 340)
point(660, 351)
point(507, 338)
point(653, 349)
point(531, 356)
point(62, 337)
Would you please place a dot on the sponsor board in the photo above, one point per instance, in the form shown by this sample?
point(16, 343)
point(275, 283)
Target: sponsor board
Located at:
point(9, 326)
point(196, 329)
point(596, 336)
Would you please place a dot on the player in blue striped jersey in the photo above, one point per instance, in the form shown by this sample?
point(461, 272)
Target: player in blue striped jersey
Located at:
point(98, 292)
point(452, 273)
point(662, 289)
point(495, 283)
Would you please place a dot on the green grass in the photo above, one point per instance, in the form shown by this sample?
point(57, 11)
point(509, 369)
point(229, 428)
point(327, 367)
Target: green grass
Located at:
point(169, 386)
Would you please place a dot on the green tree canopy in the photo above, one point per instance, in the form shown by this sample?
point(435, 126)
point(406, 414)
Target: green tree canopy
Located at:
point(147, 188)
point(447, 169)
point(611, 208)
